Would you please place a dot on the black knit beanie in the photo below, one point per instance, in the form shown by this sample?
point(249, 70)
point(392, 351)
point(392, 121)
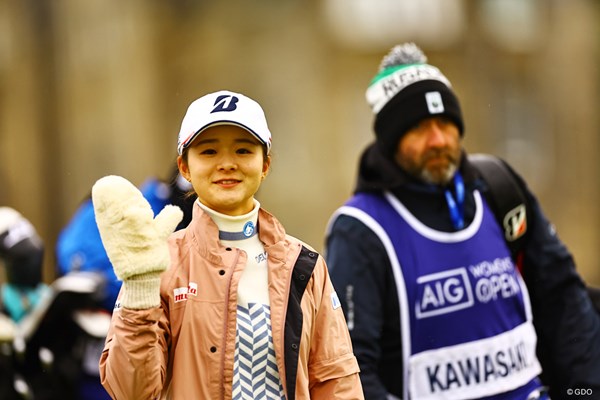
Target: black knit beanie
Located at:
point(405, 91)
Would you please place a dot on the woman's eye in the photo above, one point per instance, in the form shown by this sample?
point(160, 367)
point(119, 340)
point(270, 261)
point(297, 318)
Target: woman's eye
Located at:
point(243, 151)
point(208, 151)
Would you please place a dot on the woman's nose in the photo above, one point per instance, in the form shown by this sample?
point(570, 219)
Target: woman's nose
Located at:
point(227, 163)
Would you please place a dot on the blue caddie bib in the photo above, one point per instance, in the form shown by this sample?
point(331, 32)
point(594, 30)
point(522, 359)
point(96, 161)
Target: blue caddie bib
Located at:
point(465, 317)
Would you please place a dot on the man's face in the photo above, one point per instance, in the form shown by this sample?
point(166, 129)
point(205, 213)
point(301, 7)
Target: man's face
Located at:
point(430, 150)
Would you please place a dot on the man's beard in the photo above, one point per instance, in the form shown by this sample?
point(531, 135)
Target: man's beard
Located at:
point(437, 176)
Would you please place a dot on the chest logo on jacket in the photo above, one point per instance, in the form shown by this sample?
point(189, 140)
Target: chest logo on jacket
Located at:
point(515, 223)
point(182, 293)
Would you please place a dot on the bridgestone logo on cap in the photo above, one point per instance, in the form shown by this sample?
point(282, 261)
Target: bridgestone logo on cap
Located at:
point(225, 103)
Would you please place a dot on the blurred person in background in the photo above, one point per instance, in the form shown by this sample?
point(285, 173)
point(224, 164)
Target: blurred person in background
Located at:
point(44, 354)
point(22, 257)
point(231, 306)
point(79, 247)
point(436, 305)
point(22, 254)
point(23, 291)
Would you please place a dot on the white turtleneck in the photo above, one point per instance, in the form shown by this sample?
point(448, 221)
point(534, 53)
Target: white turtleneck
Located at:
point(240, 231)
point(255, 368)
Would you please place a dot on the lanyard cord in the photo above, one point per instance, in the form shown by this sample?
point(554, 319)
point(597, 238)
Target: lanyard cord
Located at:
point(456, 206)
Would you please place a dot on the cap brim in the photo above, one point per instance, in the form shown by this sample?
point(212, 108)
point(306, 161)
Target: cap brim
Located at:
point(193, 137)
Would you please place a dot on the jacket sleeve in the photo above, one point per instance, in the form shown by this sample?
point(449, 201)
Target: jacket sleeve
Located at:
point(333, 369)
point(567, 325)
point(361, 273)
point(133, 363)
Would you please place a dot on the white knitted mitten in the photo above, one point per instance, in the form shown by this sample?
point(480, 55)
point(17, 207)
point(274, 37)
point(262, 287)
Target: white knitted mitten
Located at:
point(135, 241)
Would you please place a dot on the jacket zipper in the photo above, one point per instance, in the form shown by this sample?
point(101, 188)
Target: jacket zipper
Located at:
point(225, 320)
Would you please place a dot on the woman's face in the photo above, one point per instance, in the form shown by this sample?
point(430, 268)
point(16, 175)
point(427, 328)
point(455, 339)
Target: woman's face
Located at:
point(226, 166)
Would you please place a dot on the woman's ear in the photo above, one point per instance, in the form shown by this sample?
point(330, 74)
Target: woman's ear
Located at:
point(266, 166)
point(183, 168)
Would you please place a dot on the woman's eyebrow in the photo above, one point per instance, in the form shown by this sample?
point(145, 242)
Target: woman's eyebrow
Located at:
point(238, 140)
point(202, 141)
point(246, 140)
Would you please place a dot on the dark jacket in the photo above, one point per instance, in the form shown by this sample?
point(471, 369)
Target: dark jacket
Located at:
point(567, 326)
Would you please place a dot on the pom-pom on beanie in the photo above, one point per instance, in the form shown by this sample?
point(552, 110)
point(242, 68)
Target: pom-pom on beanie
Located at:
point(405, 91)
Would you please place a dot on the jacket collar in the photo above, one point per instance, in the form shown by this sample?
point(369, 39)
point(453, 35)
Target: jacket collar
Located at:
point(270, 231)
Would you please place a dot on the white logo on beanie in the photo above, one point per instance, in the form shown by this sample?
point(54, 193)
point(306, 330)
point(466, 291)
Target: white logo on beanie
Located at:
point(435, 105)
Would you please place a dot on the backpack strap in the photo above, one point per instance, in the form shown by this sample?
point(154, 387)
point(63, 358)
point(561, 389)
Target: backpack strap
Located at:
point(509, 204)
point(506, 197)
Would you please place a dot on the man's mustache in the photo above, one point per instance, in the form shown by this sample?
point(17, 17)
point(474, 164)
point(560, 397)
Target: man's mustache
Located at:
point(439, 153)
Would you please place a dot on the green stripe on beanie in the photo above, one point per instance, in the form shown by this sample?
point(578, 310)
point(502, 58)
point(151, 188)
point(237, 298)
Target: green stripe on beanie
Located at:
point(387, 84)
point(388, 71)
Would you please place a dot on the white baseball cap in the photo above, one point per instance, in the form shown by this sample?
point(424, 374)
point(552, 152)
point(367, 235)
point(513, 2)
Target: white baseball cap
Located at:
point(223, 108)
